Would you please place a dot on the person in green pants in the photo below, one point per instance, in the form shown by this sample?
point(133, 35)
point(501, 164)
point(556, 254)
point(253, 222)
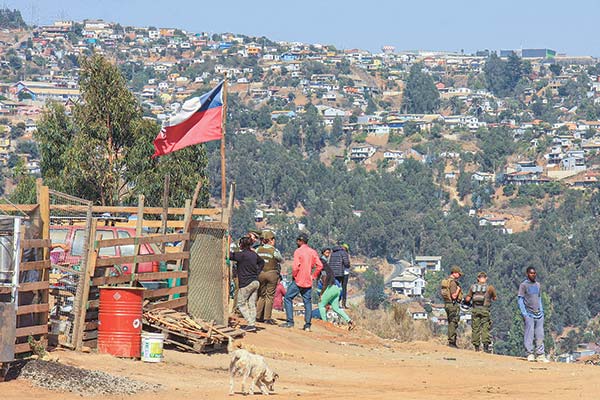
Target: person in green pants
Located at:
point(330, 294)
point(482, 295)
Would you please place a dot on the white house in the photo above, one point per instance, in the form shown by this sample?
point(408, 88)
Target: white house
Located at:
point(429, 263)
point(361, 153)
point(409, 284)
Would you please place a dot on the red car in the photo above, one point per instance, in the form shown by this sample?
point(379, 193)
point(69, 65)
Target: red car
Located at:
point(72, 236)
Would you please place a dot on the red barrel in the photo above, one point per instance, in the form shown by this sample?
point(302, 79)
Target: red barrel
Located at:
point(120, 321)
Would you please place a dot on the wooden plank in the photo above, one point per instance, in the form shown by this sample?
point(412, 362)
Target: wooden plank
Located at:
point(32, 308)
point(18, 207)
point(31, 286)
point(152, 276)
point(88, 272)
point(144, 276)
point(172, 237)
point(111, 280)
point(22, 348)
point(108, 261)
point(34, 265)
point(32, 330)
point(43, 199)
point(121, 209)
point(176, 303)
point(36, 243)
point(164, 292)
point(138, 231)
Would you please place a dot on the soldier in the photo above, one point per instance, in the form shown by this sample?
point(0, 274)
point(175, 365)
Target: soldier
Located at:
point(268, 278)
point(482, 295)
point(452, 295)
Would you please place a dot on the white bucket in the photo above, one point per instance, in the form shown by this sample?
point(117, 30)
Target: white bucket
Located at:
point(152, 347)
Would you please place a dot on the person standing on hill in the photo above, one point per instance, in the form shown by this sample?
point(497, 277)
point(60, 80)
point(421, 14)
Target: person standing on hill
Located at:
point(339, 261)
point(249, 266)
point(330, 294)
point(532, 310)
point(481, 295)
point(268, 277)
point(305, 259)
point(452, 295)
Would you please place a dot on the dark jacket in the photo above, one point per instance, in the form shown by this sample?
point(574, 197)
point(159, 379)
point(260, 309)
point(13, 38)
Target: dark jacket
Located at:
point(249, 265)
point(339, 260)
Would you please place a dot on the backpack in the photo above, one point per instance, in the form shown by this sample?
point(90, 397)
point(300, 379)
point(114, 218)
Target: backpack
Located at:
point(479, 292)
point(445, 289)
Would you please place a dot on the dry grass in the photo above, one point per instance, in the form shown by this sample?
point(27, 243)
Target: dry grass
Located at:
point(393, 322)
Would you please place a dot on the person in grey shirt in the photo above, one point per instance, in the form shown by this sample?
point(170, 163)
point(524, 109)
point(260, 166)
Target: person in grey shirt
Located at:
point(532, 310)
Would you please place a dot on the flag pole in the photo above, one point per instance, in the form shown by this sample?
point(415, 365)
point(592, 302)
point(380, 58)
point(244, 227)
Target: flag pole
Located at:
point(224, 120)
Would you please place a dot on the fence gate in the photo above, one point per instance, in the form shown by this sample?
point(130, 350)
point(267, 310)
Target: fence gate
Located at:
point(208, 282)
point(66, 285)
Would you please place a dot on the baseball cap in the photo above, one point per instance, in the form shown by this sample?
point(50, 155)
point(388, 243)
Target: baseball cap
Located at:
point(481, 275)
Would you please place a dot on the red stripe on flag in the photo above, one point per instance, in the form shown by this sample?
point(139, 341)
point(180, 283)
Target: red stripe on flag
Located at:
point(199, 128)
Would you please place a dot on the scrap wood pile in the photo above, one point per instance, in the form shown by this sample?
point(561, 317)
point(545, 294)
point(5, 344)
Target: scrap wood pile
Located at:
point(187, 333)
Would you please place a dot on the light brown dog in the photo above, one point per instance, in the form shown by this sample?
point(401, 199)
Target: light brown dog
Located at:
point(251, 366)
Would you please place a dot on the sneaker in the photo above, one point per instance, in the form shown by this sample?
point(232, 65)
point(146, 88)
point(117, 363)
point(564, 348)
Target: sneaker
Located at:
point(477, 348)
point(249, 328)
point(486, 348)
point(531, 358)
point(452, 345)
point(351, 325)
point(286, 325)
point(307, 329)
point(542, 358)
point(270, 322)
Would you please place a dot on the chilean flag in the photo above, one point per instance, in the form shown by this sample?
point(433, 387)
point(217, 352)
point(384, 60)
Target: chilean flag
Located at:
point(199, 120)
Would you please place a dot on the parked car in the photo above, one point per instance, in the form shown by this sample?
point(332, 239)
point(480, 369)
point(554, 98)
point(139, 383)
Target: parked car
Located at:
point(72, 237)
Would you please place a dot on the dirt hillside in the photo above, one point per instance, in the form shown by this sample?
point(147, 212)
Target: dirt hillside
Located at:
point(332, 363)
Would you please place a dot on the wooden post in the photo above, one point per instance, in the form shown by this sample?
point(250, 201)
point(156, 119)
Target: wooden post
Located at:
point(43, 199)
point(185, 244)
point(86, 277)
point(224, 265)
point(223, 127)
point(165, 213)
point(138, 232)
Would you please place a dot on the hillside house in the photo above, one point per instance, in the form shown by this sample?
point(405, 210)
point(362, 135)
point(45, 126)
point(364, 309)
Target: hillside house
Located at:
point(394, 155)
point(416, 311)
point(483, 177)
point(361, 153)
point(429, 263)
point(409, 284)
point(490, 220)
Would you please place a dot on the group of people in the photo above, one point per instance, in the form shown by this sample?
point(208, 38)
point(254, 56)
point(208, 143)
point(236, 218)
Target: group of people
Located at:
point(480, 297)
point(258, 279)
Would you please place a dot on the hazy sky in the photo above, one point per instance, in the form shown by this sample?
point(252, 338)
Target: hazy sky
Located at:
point(566, 26)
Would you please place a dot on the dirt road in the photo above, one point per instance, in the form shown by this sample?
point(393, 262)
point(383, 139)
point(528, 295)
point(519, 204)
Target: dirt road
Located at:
point(332, 363)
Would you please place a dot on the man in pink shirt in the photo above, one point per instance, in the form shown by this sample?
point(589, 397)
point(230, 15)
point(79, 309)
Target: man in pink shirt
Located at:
point(303, 275)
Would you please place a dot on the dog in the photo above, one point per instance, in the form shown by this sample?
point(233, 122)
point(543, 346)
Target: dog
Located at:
point(251, 366)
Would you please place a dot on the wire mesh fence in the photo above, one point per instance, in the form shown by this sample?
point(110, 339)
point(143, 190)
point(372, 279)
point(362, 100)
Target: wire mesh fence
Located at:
point(69, 233)
point(206, 287)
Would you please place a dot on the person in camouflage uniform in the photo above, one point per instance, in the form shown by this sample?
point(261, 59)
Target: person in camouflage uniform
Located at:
point(481, 295)
point(452, 295)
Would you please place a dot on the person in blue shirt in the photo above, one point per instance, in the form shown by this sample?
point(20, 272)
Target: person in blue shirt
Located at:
point(532, 310)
